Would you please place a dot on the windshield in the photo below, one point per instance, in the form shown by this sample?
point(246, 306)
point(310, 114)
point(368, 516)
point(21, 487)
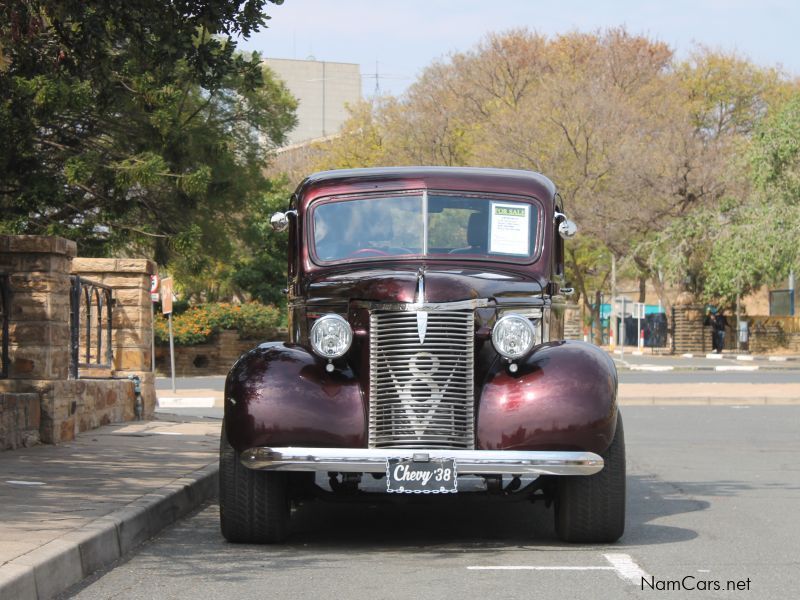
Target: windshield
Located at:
point(391, 226)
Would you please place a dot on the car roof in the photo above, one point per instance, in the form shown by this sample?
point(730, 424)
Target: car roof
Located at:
point(460, 178)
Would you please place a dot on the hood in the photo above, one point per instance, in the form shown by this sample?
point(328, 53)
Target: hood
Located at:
point(440, 285)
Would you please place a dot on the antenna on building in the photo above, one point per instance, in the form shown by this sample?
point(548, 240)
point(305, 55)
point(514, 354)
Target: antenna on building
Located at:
point(377, 76)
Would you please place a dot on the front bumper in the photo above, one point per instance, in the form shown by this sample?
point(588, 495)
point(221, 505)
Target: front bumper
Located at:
point(373, 460)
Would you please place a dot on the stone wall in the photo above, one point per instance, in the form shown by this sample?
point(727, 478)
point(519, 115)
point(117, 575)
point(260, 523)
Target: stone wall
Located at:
point(39, 270)
point(132, 323)
point(768, 334)
point(19, 420)
point(573, 323)
point(214, 358)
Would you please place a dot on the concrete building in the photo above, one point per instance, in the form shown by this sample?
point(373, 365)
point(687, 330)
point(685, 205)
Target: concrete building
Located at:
point(323, 89)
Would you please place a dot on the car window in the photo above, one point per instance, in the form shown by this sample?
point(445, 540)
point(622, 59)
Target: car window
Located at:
point(378, 227)
point(369, 228)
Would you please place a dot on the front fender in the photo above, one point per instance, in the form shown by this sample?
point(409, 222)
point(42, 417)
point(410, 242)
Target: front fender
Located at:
point(563, 397)
point(279, 394)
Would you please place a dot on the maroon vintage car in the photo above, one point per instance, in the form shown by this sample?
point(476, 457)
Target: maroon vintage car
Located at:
point(425, 356)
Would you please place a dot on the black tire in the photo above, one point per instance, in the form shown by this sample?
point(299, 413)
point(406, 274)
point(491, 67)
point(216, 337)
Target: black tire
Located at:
point(591, 508)
point(253, 505)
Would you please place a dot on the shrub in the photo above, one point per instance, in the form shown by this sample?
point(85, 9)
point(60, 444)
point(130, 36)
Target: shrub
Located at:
point(198, 323)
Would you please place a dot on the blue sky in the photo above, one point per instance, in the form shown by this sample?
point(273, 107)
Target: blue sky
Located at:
point(405, 36)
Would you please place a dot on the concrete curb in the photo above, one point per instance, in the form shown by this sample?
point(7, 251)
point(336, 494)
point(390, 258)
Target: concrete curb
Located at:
point(707, 400)
point(67, 560)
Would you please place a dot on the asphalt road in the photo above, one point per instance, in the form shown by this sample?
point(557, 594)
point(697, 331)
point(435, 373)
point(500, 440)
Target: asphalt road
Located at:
point(712, 496)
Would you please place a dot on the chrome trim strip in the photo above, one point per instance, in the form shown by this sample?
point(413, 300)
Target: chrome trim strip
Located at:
point(427, 306)
point(425, 222)
point(476, 462)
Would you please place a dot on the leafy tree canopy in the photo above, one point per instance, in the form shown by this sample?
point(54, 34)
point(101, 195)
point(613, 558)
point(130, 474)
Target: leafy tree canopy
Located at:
point(645, 148)
point(136, 124)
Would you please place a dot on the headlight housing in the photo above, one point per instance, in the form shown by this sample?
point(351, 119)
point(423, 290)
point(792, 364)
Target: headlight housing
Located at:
point(331, 336)
point(513, 336)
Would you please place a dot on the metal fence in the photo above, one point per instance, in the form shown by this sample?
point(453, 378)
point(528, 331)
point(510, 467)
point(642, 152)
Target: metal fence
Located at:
point(5, 311)
point(91, 306)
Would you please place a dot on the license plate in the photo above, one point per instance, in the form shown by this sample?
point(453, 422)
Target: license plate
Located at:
point(434, 476)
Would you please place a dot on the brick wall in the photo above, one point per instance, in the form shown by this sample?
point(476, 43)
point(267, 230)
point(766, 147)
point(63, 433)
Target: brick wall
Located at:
point(688, 333)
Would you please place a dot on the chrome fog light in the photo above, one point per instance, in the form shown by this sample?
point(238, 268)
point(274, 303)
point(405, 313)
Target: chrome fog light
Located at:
point(513, 336)
point(331, 336)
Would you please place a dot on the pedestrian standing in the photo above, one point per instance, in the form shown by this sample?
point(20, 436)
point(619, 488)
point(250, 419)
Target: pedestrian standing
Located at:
point(718, 325)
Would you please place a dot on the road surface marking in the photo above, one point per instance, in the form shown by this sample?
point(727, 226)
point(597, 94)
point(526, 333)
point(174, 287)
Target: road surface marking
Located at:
point(687, 355)
point(745, 357)
point(622, 564)
point(627, 568)
point(777, 358)
point(15, 482)
point(737, 368)
point(651, 368)
point(714, 356)
point(186, 402)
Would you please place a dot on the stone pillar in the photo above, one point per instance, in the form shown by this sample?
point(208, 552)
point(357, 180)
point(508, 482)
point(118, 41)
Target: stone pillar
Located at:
point(38, 270)
point(573, 323)
point(132, 323)
point(689, 333)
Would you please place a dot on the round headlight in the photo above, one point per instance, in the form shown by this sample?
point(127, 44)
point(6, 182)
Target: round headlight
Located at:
point(331, 336)
point(513, 336)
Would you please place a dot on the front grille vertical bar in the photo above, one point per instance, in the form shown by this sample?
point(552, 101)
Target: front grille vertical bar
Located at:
point(421, 386)
point(373, 378)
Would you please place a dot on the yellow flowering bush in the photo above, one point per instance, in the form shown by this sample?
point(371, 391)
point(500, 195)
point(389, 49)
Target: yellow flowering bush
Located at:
point(197, 324)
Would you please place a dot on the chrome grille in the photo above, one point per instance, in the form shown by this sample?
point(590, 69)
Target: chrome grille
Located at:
point(421, 379)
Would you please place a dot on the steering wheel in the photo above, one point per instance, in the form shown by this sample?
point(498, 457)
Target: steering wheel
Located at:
point(369, 252)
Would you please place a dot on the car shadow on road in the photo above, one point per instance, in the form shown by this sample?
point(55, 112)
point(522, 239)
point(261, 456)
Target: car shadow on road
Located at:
point(440, 530)
point(331, 535)
point(651, 499)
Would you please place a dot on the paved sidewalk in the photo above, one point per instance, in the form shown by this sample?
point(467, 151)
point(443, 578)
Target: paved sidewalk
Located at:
point(708, 393)
point(68, 510)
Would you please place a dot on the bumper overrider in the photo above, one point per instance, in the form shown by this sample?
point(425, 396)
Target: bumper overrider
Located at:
point(374, 460)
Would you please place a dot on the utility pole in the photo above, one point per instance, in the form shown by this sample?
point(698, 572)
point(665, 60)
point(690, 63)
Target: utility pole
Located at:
point(612, 319)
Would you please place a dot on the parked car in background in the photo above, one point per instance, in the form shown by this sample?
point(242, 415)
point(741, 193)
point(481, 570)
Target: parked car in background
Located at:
point(426, 348)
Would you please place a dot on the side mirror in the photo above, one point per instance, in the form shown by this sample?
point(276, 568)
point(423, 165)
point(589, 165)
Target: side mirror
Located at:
point(567, 229)
point(280, 221)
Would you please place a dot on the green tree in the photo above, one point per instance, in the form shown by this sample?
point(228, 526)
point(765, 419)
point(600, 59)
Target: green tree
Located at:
point(752, 239)
point(136, 124)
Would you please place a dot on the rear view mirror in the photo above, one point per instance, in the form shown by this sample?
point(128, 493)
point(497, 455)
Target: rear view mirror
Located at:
point(567, 229)
point(279, 221)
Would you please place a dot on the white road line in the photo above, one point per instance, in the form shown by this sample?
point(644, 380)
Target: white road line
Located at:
point(737, 368)
point(651, 368)
point(777, 358)
point(622, 564)
point(538, 568)
point(714, 356)
point(627, 568)
point(186, 402)
point(745, 357)
point(687, 355)
point(16, 482)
